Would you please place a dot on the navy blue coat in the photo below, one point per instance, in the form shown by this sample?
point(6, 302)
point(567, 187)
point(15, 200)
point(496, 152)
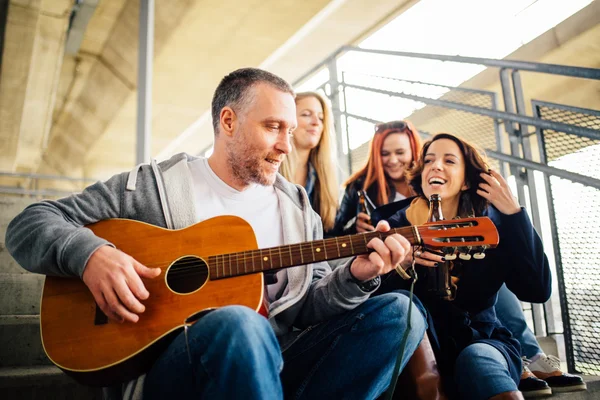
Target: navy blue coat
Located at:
point(519, 261)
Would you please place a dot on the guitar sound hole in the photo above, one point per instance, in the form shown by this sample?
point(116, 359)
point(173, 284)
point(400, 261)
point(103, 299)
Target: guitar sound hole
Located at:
point(187, 275)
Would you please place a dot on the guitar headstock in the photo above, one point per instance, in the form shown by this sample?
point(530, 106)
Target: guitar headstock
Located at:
point(462, 235)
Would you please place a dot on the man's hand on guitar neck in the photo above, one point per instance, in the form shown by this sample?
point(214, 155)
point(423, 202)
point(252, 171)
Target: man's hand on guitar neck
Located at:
point(387, 255)
point(113, 277)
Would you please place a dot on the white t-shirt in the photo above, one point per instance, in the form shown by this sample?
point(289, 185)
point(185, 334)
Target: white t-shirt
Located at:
point(399, 196)
point(258, 205)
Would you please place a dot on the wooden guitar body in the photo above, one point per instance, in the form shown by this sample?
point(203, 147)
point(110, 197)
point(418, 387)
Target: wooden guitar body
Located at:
point(80, 340)
point(212, 264)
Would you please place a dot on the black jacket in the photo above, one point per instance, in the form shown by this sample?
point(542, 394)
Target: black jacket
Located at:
point(345, 220)
point(519, 261)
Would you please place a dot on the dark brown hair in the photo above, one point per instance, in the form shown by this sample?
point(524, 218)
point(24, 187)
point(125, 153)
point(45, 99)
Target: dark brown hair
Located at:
point(475, 163)
point(234, 90)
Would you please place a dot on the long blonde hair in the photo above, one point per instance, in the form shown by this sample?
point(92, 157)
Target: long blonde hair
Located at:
point(322, 159)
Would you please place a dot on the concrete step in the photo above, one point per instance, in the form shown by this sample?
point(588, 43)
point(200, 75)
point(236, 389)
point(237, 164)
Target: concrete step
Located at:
point(9, 208)
point(8, 265)
point(20, 294)
point(42, 382)
point(21, 341)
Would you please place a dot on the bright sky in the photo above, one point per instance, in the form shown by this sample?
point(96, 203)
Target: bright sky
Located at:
point(477, 28)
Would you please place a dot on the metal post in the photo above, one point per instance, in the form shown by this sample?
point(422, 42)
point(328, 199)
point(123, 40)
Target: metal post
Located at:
point(144, 104)
point(536, 309)
point(526, 145)
point(513, 133)
point(337, 117)
point(3, 21)
point(346, 124)
point(497, 135)
point(562, 296)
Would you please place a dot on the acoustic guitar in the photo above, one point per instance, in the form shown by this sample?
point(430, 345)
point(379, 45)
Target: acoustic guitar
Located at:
point(211, 264)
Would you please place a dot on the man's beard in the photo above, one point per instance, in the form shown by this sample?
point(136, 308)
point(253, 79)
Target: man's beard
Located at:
point(246, 163)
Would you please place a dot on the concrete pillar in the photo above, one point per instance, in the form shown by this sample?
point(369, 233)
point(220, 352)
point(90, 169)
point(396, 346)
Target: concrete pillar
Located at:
point(32, 59)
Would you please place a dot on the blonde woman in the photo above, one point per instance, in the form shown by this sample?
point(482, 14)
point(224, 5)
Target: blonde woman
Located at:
point(311, 162)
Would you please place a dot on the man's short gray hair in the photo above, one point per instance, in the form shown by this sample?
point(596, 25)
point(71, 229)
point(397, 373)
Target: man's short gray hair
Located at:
point(234, 90)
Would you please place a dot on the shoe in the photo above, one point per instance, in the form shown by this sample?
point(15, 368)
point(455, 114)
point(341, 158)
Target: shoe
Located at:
point(548, 369)
point(532, 387)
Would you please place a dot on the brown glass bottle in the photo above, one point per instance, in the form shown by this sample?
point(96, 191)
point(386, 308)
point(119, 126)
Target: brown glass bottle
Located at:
point(365, 204)
point(440, 281)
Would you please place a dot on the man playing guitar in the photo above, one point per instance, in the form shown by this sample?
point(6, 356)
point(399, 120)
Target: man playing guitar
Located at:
point(324, 337)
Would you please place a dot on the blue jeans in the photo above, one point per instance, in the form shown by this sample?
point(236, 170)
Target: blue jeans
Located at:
point(510, 313)
point(481, 372)
point(235, 354)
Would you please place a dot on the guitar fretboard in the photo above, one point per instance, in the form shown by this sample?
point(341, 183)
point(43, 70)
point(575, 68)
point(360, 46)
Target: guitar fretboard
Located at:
point(275, 258)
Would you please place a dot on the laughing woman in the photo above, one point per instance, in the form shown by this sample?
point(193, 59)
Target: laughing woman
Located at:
point(477, 353)
point(393, 151)
point(311, 164)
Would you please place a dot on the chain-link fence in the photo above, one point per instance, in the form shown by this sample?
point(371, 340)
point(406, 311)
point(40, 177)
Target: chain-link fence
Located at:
point(480, 130)
point(577, 233)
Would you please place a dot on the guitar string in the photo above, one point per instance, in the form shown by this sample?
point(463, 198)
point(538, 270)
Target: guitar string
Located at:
point(191, 266)
point(255, 254)
point(195, 269)
point(296, 250)
point(233, 259)
point(251, 256)
point(213, 262)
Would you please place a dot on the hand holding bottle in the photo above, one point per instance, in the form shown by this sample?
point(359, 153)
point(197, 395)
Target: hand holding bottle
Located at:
point(363, 223)
point(363, 219)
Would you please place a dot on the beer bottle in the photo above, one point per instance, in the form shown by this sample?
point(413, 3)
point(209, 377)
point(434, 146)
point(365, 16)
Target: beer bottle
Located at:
point(368, 203)
point(435, 208)
point(365, 204)
point(440, 281)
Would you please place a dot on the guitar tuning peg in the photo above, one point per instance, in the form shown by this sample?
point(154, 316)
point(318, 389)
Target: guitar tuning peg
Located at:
point(464, 256)
point(481, 254)
point(450, 257)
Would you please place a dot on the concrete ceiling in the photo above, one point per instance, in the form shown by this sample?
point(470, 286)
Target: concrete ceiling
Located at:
point(75, 114)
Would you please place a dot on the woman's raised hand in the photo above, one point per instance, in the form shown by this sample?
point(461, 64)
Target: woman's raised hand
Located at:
point(495, 189)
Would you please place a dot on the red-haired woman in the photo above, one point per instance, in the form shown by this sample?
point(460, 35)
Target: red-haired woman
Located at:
point(393, 150)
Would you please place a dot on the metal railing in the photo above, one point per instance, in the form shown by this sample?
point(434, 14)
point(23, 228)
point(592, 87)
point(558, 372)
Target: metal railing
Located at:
point(507, 140)
point(29, 184)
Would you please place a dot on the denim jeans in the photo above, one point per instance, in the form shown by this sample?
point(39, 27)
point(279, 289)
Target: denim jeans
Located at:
point(510, 313)
point(481, 372)
point(234, 354)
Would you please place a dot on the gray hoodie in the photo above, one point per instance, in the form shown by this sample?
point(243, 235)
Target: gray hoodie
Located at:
point(49, 237)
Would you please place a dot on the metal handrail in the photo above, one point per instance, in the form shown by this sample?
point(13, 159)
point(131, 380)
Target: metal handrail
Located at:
point(555, 69)
point(48, 177)
point(35, 192)
point(36, 178)
point(451, 88)
point(501, 115)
